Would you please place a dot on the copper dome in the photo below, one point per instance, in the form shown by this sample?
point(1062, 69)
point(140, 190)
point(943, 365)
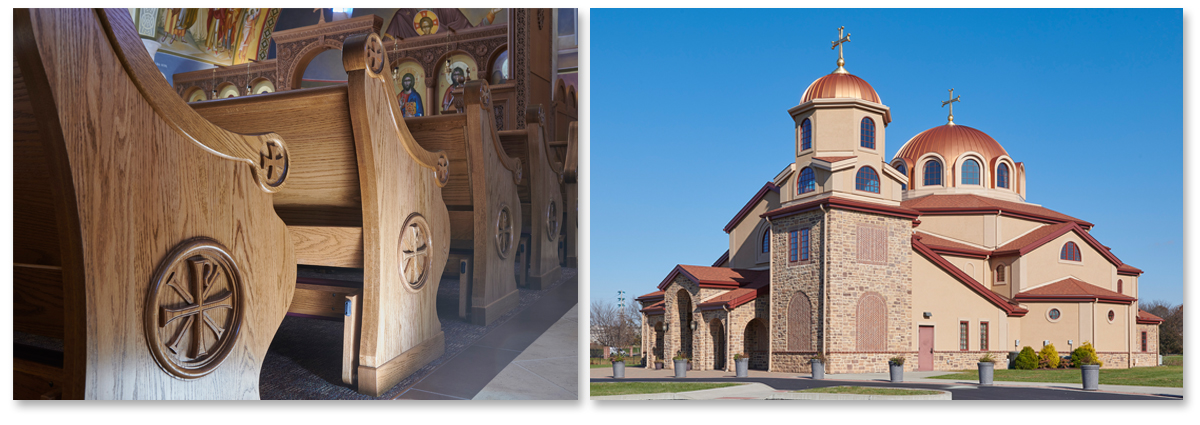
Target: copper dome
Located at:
point(839, 85)
point(950, 141)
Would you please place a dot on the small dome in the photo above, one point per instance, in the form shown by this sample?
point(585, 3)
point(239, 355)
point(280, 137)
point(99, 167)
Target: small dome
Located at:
point(950, 141)
point(838, 85)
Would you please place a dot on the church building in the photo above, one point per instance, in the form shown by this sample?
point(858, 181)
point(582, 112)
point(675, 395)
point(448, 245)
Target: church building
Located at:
point(934, 255)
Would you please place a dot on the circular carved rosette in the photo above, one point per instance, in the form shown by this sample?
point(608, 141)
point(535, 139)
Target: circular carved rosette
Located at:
point(552, 220)
point(416, 251)
point(194, 308)
point(376, 57)
point(273, 164)
point(504, 231)
point(443, 170)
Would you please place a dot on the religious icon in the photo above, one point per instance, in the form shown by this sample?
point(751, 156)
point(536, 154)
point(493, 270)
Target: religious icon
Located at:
point(410, 99)
point(426, 22)
point(458, 73)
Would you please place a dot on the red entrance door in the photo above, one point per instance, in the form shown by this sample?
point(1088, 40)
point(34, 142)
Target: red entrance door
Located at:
point(925, 350)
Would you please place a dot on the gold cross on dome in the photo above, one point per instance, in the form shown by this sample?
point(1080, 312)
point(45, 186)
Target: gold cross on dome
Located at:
point(837, 44)
point(951, 103)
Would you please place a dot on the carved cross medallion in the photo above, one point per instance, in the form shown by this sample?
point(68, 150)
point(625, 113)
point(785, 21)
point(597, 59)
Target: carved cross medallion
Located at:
point(416, 252)
point(504, 231)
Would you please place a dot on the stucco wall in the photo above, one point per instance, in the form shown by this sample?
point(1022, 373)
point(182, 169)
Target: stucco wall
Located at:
point(744, 242)
point(1043, 265)
point(950, 302)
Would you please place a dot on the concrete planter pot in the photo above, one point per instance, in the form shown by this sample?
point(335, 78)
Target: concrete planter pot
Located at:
point(896, 371)
point(742, 367)
point(659, 365)
point(986, 371)
point(618, 369)
point(818, 368)
point(1091, 377)
point(681, 367)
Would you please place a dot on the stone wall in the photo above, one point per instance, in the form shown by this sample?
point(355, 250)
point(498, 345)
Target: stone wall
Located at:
point(964, 360)
point(1151, 339)
point(849, 279)
point(789, 279)
point(679, 336)
point(1113, 360)
point(1145, 359)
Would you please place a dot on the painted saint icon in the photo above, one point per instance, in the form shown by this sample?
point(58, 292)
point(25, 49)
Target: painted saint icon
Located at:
point(410, 99)
point(458, 79)
point(426, 22)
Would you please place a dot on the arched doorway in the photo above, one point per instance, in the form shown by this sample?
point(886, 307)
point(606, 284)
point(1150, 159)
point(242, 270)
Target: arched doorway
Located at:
point(684, 302)
point(718, 343)
point(756, 344)
point(322, 68)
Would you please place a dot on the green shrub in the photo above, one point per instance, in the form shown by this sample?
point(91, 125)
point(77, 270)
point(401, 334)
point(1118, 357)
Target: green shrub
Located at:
point(1085, 354)
point(1027, 359)
point(1048, 357)
point(739, 356)
point(898, 360)
point(679, 356)
point(987, 358)
point(616, 358)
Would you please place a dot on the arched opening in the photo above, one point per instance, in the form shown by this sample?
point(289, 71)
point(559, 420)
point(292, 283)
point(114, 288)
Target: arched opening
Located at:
point(196, 94)
point(718, 343)
point(799, 331)
point(658, 342)
point(683, 301)
point(756, 344)
point(871, 323)
point(262, 85)
point(411, 90)
point(453, 72)
point(227, 90)
point(500, 70)
point(319, 68)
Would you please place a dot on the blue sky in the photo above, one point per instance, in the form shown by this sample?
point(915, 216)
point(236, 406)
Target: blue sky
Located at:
point(689, 118)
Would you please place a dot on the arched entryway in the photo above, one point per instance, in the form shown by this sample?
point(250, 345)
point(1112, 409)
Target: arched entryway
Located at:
point(756, 344)
point(658, 342)
point(718, 344)
point(683, 301)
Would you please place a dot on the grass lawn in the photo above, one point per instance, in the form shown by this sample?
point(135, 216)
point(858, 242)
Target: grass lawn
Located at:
point(868, 391)
point(619, 388)
point(1160, 376)
point(599, 363)
point(1173, 360)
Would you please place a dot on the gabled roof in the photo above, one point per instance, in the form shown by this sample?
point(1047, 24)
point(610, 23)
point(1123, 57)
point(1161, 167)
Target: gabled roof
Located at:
point(760, 286)
point(656, 295)
point(946, 246)
point(1145, 318)
point(714, 277)
point(656, 308)
point(957, 204)
point(1071, 289)
point(1043, 235)
point(770, 186)
point(996, 299)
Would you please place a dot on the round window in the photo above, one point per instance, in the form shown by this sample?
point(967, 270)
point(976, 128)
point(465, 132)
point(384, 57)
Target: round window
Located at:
point(1054, 314)
point(1111, 315)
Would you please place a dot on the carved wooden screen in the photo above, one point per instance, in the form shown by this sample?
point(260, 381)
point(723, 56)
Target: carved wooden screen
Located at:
point(799, 330)
point(871, 321)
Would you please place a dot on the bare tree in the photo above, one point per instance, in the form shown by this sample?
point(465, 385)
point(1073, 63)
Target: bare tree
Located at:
point(614, 326)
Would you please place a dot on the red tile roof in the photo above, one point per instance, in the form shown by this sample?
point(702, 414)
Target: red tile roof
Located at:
point(946, 246)
point(1126, 269)
point(944, 204)
point(1071, 289)
point(1145, 318)
point(651, 296)
point(832, 159)
point(770, 186)
point(737, 297)
point(845, 204)
point(714, 277)
point(721, 260)
point(656, 308)
point(1035, 238)
point(996, 299)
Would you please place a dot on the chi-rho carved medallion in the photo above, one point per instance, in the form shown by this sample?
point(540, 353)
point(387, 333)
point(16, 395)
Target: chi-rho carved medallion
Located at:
point(194, 308)
point(416, 251)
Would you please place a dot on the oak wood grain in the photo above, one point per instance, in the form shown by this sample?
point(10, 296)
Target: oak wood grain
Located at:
point(328, 246)
point(38, 300)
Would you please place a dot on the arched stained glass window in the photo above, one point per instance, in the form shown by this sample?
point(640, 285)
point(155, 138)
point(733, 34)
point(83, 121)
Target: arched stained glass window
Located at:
point(806, 135)
point(807, 182)
point(1070, 252)
point(867, 180)
point(970, 172)
point(866, 133)
point(933, 173)
point(1002, 175)
point(903, 170)
point(766, 241)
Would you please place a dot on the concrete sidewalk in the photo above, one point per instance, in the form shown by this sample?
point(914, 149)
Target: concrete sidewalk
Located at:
point(758, 391)
point(909, 377)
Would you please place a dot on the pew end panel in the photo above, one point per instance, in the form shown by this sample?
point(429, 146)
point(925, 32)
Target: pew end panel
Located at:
point(541, 197)
point(175, 271)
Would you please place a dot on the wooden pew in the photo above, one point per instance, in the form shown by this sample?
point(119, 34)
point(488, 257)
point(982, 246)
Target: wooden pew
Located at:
point(569, 156)
point(485, 209)
point(145, 238)
point(364, 195)
point(541, 199)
